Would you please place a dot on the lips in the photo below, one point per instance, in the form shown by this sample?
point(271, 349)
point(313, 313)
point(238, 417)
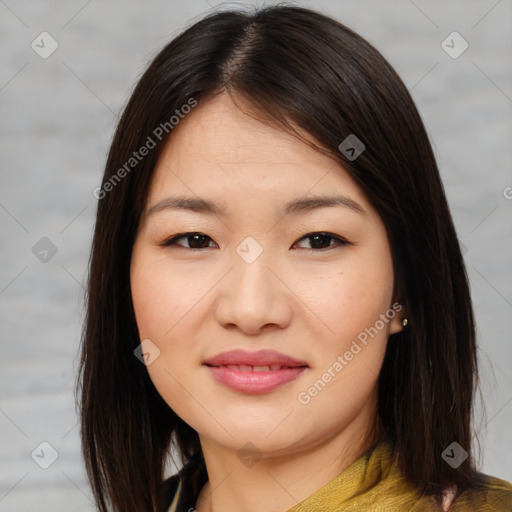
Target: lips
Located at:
point(254, 372)
point(259, 358)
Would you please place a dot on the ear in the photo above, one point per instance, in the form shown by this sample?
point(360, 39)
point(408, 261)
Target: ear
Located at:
point(395, 325)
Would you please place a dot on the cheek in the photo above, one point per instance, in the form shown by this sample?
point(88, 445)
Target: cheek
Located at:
point(335, 401)
point(348, 302)
point(349, 357)
point(161, 297)
point(162, 301)
point(349, 353)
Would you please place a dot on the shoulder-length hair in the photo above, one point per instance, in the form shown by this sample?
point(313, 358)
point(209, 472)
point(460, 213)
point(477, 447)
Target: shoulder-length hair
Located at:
point(296, 68)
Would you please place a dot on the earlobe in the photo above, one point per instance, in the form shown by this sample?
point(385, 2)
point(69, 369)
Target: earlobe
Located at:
point(398, 324)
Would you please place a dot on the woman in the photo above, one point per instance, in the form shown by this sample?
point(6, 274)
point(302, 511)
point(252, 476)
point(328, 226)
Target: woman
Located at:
point(276, 290)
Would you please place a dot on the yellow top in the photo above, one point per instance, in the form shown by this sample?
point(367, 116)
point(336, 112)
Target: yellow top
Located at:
point(373, 483)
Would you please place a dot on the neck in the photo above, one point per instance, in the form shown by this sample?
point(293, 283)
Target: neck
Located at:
point(277, 483)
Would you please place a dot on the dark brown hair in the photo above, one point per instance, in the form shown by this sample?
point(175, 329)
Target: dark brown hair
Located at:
point(295, 67)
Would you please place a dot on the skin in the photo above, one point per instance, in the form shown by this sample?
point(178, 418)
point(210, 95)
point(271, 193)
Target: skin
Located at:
point(306, 302)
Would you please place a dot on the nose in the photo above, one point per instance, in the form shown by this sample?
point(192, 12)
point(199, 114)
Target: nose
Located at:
point(253, 297)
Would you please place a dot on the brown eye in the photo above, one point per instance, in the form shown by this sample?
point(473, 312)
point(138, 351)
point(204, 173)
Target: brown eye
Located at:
point(194, 241)
point(322, 240)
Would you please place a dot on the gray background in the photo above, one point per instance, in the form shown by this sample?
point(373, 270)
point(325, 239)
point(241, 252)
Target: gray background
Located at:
point(57, 117)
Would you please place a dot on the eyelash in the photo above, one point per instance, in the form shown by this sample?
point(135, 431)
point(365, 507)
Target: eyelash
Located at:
point(173, 240)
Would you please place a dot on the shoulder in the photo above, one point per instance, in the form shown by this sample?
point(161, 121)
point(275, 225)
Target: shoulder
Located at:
point(494, 494)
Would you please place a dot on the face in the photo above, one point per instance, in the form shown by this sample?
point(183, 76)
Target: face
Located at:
point(268, 316)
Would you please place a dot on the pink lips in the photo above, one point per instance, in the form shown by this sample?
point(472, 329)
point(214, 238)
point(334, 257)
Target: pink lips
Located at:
point(254, 372)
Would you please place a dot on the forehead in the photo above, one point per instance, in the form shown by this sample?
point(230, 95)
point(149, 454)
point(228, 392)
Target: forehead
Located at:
point(220, 151)
point(221, 130)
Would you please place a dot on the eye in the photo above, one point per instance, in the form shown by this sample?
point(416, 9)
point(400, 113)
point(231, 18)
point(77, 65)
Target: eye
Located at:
point(195, 240)
point(321, 240)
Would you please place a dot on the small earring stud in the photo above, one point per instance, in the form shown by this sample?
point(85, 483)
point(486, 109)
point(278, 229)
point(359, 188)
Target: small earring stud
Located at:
point(404, 322)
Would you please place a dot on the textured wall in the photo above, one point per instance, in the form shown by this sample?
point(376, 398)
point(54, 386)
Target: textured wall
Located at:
point(57, 116)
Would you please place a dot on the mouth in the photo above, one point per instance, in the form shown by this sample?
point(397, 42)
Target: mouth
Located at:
point(254, 372)
point(253, 368)
point(261, 358)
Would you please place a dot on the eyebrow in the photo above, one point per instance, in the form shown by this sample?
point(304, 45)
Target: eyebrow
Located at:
point(294, 207)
